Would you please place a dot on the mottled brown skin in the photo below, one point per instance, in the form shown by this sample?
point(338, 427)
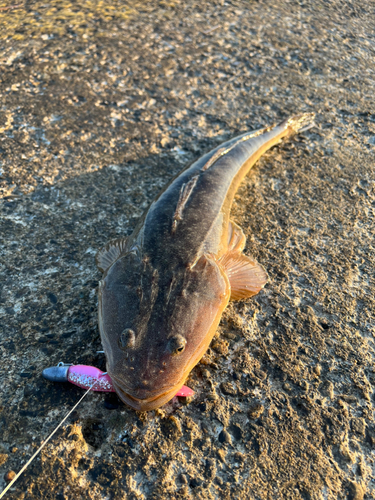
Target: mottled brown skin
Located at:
point(165, 287)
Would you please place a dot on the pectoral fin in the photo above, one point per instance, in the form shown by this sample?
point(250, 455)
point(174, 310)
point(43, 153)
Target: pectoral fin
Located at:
point(110, 253)
point(245, 275)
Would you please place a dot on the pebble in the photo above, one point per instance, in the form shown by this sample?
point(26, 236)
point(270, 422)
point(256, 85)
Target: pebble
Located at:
point(355, 491)
point(9, 476)
point(228, 389)
point(255, 411)
point(318, 369)
point(224, 437)
point(212, 396)
point(210, 469)
point(218, 481)
point(183, 479)
point(171, 428)
point(185, 400)
point(328, 389)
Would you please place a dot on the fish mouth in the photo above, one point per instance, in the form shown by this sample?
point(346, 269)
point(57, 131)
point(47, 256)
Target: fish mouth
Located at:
point(145, 404)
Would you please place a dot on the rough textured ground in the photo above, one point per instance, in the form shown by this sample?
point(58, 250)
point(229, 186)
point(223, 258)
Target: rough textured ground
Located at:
point(103, 103)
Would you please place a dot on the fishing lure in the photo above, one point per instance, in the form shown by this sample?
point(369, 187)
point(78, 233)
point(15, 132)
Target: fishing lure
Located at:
point(85, 376)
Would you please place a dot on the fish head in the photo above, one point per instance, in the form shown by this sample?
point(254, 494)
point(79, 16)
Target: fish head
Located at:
point(156, 325)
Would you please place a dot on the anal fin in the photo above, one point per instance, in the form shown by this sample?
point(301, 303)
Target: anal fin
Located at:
point(245, 275)
point(110, 253)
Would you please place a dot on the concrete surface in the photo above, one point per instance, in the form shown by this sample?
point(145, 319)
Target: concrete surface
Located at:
point(101, 104)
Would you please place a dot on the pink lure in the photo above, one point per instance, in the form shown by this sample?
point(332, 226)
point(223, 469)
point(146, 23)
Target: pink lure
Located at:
point(84, 376)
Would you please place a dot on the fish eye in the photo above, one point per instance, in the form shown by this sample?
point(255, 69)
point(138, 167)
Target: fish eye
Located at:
point(127, 339)
point(176, 345)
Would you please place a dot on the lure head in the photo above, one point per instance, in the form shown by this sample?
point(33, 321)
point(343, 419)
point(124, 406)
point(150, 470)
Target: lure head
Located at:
point(156, 325)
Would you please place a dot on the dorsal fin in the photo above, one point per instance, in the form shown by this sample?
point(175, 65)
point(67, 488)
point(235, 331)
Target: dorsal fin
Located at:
point(185, 192)
point(110, 253)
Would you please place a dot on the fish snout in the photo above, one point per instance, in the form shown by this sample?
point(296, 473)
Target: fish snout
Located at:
point(141, 397)
point(136, 391)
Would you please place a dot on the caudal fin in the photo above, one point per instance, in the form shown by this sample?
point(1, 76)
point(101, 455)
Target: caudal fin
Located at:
point(300, 123)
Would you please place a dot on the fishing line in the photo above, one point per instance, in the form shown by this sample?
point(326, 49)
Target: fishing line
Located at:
point(44, 443)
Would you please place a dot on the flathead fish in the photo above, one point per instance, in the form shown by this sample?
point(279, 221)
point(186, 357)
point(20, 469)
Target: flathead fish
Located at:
point(164, 288)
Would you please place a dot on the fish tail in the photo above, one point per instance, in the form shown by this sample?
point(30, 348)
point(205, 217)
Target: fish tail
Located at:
point(299, 123)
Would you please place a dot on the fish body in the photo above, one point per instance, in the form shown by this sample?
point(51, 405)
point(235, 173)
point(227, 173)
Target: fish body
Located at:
point(164, 288)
